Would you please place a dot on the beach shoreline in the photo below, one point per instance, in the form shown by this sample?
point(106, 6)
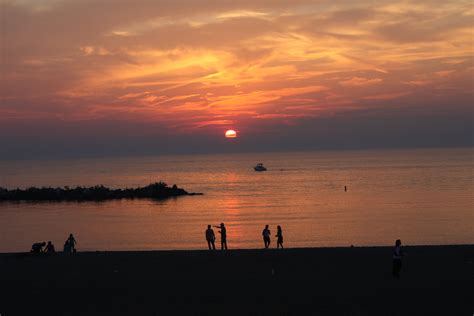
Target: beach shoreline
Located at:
point(435, 280)
point(232, 250)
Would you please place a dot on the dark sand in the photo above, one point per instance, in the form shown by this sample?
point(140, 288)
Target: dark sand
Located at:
point(435, 280)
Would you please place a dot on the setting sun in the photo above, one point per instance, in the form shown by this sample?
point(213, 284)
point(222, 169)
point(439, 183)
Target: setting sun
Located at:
point(230, 133)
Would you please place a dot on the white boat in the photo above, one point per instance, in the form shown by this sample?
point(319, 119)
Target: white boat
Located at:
point(260, 167)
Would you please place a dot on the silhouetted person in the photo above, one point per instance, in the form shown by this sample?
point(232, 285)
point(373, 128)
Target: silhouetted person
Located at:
point(223, 233)
point(67, 246)
point(279, 237)
point(345, 188)
point(72, 243)
point(37, 247)
point(211, 238)
point(266, 236)
point(49, 248)
point(397, 259)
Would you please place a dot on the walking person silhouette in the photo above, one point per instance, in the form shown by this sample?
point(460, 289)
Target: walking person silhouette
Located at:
point(211, 238)
point(279, 237)
point(266, 236)
point(223, 233)
point(397, 259)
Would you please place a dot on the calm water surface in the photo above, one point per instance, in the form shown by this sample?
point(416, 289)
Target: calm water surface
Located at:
point(421, 196)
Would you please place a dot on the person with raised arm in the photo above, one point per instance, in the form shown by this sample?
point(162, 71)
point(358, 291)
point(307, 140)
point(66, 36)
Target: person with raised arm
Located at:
point(223, 232)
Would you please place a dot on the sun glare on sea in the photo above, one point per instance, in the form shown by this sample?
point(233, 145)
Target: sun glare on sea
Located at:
point(230, 133)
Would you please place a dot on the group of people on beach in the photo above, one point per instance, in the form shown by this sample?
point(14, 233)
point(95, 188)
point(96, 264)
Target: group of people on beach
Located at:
point(69, 246)
point(266, 237)
point(43, 247)
point(211, 237)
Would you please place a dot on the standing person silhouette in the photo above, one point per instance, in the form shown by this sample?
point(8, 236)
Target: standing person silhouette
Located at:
point(266, 236)
point(211, 238)
point(279, 237)
point(223, 233)
point(67, 246)
point(72, 243)
point(397, 259)
point(49, 248)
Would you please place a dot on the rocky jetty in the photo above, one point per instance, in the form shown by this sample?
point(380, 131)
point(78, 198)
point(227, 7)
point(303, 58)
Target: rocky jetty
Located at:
point(158, 190)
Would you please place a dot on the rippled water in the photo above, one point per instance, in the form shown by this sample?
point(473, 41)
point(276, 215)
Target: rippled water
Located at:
point(421, 196)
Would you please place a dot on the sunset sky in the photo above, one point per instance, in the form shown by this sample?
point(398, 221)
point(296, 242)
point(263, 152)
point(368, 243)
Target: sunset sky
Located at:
point(92, 78)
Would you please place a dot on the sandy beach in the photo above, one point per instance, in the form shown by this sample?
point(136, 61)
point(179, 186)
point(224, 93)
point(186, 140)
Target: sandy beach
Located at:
point(435, 280)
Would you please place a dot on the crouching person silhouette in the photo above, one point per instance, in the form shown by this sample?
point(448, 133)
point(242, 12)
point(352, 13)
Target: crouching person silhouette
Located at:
point(37, 247)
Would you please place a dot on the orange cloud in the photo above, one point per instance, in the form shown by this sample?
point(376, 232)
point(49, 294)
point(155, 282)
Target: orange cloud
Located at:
point(186, 66)
point(358, 82)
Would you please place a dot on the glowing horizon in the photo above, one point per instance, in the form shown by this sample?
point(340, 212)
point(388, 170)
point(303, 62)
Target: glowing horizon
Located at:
point(207, 66)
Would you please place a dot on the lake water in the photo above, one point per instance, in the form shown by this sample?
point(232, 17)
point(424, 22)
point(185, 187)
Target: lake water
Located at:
point(420, 196)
